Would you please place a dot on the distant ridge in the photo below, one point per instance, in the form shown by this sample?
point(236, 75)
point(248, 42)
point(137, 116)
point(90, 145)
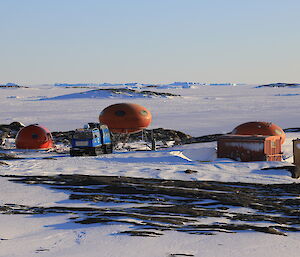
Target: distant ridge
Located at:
point(113, 93)
point(10, 85)
point(280, 85)
point(135, 85)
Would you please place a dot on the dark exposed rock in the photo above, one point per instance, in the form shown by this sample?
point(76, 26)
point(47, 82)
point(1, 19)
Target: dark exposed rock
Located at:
point(291, 130)
point(4, 163)
point(11, 85)
point(133, 91)
point(181, 255)
point(280, 85)
point(3, 136)
point(160, 134)
point(16, 125)
point(147, 92)
point(42, 250)
point(63, 137)
point(157, 205)
point(189, 171)
point(117, 92)
point(180, 138)
point(294, 170)
point(9, 130)
point(141, 233)
point(203, 139)
point(6, 156)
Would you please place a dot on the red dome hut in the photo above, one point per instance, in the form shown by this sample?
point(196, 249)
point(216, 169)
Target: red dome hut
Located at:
point(34, 137)
point(259, 128)
point(125, 118)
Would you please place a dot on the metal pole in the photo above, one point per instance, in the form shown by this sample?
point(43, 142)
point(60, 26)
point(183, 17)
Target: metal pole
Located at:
point(153, 143)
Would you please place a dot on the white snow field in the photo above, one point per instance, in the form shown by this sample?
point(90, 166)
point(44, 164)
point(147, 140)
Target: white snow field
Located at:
point(200, 110)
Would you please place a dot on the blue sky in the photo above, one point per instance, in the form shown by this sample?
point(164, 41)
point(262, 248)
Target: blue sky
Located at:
point(150, 41)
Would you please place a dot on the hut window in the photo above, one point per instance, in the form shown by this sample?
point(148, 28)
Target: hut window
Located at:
point(120, 113)
point(35, 136)
point(143, 112)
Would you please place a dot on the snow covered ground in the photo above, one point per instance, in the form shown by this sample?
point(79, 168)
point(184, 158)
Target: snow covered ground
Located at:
point(199, 110)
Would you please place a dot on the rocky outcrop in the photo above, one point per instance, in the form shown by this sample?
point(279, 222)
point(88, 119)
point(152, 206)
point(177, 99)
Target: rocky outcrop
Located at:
point(280, 85)
point(167, 135)
point(291, 130)
point(9, 130)
point(12, 127)
point(159, 134)
point(133, 91)
point(63, 137)
point(4, 163)
point(6, 156)
point(11, 85)
point(203, 139)
point(113, 92)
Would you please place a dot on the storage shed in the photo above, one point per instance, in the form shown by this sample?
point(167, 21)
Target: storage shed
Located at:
point(247, 148)
point(34, 137)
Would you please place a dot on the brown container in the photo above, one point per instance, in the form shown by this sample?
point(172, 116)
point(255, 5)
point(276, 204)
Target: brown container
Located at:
point(296, 151)
point(248, 148)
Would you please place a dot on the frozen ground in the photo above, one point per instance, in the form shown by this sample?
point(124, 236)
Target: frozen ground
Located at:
point(201, 110)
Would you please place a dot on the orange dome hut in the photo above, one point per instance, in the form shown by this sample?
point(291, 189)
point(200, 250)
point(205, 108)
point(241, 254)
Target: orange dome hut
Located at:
point(34, 137)
point(125, 118)
point(259, 128)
